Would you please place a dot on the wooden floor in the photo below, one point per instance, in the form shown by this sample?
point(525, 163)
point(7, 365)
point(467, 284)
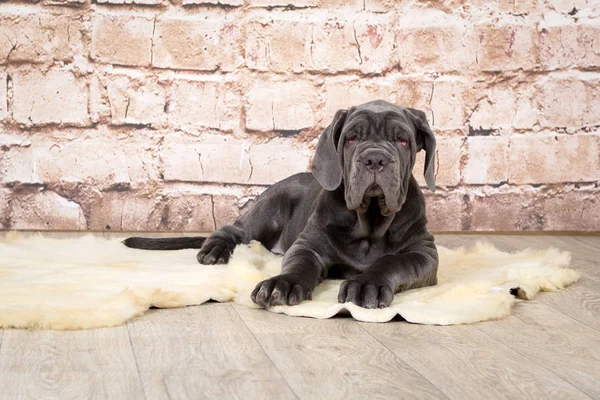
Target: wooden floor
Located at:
point(548, 349)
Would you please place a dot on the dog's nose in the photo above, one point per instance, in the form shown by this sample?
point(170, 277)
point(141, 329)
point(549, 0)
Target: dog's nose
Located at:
point(375, 162)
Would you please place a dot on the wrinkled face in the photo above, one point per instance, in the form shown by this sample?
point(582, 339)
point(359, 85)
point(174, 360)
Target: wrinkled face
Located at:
point(378, 148)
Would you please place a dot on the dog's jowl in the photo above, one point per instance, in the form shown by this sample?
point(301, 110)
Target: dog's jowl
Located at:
point(359, 216)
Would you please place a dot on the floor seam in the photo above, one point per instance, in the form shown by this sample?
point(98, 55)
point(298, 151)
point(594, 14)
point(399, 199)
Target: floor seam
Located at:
point(567, 316)
point(410, 366)
point(534, 362)
point(137, 366)
point(265, 351)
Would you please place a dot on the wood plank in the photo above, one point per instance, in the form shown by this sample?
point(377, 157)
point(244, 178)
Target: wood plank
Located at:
point(334, 358)
point(466, 363)
point(581, 301)
point(562, 345)
point(587, 252)
point(203, 352)
point(68, 364)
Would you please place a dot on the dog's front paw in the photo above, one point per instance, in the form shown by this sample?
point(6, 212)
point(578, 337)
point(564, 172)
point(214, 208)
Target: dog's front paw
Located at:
point(366, 292)
point(215, 251)
point(285, 289)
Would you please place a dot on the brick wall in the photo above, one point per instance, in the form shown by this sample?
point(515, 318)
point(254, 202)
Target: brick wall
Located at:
point(151, 115)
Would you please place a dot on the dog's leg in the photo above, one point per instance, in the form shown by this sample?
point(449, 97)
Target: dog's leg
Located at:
point(413, 268)
point(218, 247)
point(264, 222)
point(303, 268)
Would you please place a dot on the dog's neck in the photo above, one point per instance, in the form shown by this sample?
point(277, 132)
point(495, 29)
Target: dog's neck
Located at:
point(370, 224)
point(373, 229)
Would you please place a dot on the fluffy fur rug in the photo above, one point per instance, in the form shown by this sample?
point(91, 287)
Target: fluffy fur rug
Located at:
point(90, 282)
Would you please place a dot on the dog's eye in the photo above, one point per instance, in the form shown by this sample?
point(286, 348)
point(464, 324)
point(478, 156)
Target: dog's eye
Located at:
point(402, 142)
point(351, 139)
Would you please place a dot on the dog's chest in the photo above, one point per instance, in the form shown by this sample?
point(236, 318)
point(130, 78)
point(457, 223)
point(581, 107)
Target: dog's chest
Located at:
point(360, 254)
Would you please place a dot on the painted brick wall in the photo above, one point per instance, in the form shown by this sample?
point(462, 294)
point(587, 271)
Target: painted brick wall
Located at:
point(157, 115)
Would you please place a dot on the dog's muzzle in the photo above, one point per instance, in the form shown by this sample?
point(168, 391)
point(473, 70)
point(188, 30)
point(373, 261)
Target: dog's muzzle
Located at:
point(375, 160)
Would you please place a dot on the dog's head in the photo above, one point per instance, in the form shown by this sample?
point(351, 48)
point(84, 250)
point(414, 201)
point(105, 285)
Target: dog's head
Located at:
point(372, 149)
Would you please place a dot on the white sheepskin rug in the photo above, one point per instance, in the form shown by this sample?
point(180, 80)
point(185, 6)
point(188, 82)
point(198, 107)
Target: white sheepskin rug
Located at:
point(89, 282)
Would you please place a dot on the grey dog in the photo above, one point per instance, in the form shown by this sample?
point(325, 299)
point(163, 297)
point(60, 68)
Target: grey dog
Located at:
point(359, 216)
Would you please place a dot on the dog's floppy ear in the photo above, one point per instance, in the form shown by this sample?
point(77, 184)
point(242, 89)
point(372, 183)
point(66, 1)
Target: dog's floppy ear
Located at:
point(326, 165)
point(425, 140)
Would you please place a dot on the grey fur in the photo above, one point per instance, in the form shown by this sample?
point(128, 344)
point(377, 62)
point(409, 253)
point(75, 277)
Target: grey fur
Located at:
point(361, 217)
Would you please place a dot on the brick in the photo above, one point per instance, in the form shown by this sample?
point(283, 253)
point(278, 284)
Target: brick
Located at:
point(276, 160)
point(182, 211)
point(583, 7)
point(449, 153)
point(100, 106)
point(17, 166)
point(185, 211)
point(136, 100)
point(502, 212)
point(40, 38)
point(121, 2)
point(554, 159)
point(380, 6)
point(568, 101)
point(54, 97)
point(341, 4)
point(414, 93)
point(3, 96)
point(284, 3)
point(570, 45)
point(448, 160)
point(197, 44)
point(504, 47)
point(42, 210)
point(283, 106)
point(505, 108)
point(591, 117)
point(345, 93)
point(527, 113)
point(487, 161)
point(193, 161)
point(329, 46)
point(101, 158)
point(122, 39)
point(226, 209)
point(279, 46)
point(363, 45)
point(4, 208)
point(232, 3)
point(66, 3)
point(375, 36)
point(575, 210)
point(565, 210)
point(444, 211)
point(118, 211)
point(446, 47)
point(562, 102)
point(449, 101)
point(205, 104)
point(513, 7)
point(238, 161)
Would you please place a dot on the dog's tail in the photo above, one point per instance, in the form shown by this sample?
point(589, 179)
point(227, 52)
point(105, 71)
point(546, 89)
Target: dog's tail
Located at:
point(164, 243)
